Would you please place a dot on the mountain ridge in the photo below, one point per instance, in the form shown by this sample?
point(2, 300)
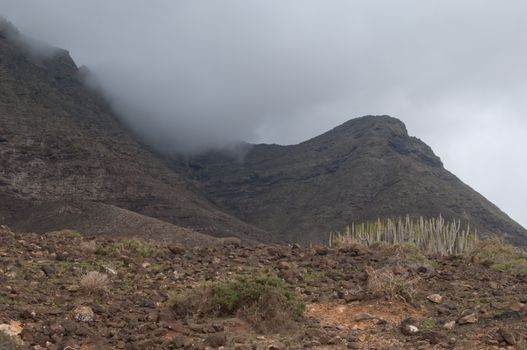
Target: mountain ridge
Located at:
point(61, 143)
point(366, 168)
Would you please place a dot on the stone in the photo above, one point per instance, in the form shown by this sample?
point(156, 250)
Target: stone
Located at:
point(176, 249)
point(48, 270)
point(69, 326)
point(449, 325)
point(507, 336)
point(435, 298)
point(73, 288)
point(468, 319)
point(284, 265)
point(179, 342)
point(84, 314)
point(517, 307)
point(216, 340)
point(408, 327)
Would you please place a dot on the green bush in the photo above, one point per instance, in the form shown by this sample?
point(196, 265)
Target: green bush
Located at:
point(265, 301)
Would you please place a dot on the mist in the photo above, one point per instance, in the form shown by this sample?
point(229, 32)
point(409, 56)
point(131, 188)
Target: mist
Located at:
point(192, 75)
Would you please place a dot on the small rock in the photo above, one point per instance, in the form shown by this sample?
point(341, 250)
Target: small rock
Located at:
point(176, 249)
point(283, 265)
point(507, 336)
point(276, 346)
point(48, 270)
point(216, 340)
point(493, 285)
point(179, 342)
point(435, 298)
point(517, 307)
point(69, 326)
point(422, 269)
point(73, 288)
point(28, 314)
point(449, 325)
point(470, 318)
point(408, 327)
point(84, 314)
point(320, 250)
point(110, 270)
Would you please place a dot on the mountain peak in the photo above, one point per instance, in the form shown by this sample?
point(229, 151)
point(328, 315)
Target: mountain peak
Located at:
point(376, 122)
point(7, 29)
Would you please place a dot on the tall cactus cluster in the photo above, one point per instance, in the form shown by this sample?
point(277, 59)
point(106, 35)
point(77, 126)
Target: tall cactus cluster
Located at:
point(434, 236)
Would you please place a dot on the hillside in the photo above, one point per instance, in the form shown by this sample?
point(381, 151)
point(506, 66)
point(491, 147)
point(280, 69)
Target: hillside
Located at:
point(60, 143)
point(364, 169)
point(66, 161)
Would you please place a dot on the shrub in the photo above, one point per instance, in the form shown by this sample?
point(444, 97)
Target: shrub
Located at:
point(94, 282)
point(431, 236)
point(500, 255)
point(265, 301)
point(384, 282)
point(88, 248)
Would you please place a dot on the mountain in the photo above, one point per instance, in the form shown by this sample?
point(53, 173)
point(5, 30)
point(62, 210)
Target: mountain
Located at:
point(364, 169)
point(61, 147)
point(66, 161)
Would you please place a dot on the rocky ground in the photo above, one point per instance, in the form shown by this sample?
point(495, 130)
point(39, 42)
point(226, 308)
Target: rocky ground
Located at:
point(443, 303)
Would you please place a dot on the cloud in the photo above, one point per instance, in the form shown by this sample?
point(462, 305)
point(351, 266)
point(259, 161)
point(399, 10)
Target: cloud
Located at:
point(196, 74)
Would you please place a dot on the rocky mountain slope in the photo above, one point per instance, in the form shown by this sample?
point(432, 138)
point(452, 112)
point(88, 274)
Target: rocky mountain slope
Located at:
point(60, 146)
point(367, 168)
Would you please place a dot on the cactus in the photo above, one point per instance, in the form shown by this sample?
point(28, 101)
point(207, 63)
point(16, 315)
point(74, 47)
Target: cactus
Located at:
point(434, 236)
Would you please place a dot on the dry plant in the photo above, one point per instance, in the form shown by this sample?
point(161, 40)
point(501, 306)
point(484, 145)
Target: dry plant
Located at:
point(384, 282)
point(433, 236)
point(88, 247)
point(94, 282)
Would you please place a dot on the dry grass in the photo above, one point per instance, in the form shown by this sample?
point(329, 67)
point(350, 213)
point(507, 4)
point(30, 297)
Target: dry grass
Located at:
point(383, 282)
point(94, 282)
point(88, 247)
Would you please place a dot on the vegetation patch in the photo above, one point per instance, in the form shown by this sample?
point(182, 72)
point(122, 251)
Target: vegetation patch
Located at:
point(66, 234)
point(500, 256)
point(434, 236)
point(130, 247)
point(265, 301)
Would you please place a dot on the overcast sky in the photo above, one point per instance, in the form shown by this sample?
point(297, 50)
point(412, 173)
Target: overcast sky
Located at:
point(191, 74)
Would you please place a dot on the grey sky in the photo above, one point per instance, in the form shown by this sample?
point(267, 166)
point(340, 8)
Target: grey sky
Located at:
point(191, 74)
